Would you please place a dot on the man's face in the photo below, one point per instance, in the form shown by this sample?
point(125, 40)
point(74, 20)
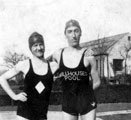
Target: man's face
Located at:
point(73, 34)
point(38, 50)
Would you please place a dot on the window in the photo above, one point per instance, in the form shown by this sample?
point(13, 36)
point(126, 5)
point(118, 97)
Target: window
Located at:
point(117, 64)
point(129, 38)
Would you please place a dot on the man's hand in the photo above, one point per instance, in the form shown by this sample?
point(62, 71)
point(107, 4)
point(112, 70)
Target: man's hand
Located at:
point(89, 52)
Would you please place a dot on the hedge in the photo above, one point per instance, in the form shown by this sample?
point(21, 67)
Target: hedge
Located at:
point(104, 94)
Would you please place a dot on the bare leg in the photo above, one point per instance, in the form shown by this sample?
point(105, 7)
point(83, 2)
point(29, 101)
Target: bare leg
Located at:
point(89, 116)
point(67, 116)
point(21, 118)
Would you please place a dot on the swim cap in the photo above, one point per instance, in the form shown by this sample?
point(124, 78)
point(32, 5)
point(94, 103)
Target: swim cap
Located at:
point(35, 38)
point(72, 23)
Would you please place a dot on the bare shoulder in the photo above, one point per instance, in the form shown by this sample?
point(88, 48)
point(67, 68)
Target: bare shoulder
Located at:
point(56, 55)
point(57, 52)
point(89, 60)
point(89, 52)
point(15, 70)
point(23, 66)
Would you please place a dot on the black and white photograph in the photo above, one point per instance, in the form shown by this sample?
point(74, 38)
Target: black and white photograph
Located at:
point(65, 60)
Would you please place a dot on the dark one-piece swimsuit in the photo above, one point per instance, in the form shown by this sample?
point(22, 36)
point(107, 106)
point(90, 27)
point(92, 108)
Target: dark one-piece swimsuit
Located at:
point(78, 94)
point(38, 90)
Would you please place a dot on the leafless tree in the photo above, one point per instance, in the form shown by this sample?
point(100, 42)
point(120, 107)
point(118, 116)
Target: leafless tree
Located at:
point(12, 58)
point(125, 53)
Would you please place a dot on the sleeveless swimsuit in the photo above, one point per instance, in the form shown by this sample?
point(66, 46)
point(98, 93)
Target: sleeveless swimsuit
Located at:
point(38, 90)
point(78, 94)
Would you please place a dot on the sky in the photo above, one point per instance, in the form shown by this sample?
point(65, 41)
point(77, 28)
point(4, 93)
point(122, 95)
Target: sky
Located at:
point(20, 18)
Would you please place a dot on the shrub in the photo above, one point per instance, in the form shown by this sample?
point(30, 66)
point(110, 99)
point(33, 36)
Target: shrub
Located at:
point(113, 94)
point(120, 79)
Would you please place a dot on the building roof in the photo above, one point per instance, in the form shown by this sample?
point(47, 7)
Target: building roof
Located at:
point(101, 45)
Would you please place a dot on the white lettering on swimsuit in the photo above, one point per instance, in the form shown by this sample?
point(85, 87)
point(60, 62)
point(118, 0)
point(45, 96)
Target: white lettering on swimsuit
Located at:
point(68, 75)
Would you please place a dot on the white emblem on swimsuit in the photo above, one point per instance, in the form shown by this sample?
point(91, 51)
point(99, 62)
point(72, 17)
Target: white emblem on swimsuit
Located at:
point(40, 87)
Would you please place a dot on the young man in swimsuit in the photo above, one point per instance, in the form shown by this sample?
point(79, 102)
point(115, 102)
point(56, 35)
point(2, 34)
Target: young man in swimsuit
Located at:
point(38, 77)
point(76, 64)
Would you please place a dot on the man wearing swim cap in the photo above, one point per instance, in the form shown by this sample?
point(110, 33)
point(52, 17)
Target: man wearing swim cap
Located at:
point(75, 66)
point(38, 77)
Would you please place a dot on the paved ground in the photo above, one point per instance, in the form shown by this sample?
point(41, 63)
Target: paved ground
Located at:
point(121, 111)
point(52, 115)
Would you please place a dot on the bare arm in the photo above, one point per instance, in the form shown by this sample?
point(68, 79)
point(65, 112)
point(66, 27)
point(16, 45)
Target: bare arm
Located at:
point(94, 73)
point(5, 85)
